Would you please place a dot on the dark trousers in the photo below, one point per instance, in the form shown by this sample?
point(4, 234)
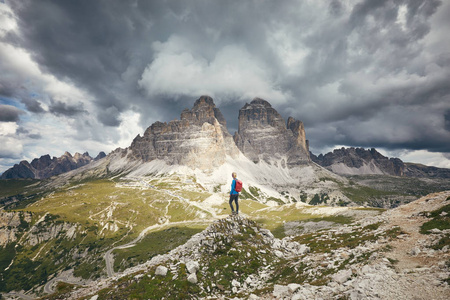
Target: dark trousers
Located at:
point(235, 199)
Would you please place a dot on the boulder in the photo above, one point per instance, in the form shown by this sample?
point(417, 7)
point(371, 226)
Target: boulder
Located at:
point(192, 266)
point(342, 276)
point(280, 291)
point(161, 271)
point(192, 278)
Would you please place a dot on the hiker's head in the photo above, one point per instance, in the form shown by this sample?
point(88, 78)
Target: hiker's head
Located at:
point(234, 175)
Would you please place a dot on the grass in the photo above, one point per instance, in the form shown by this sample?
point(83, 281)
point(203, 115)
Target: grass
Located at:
point(321, 243)
point(279, 231)
point(105, 214)
point(150, 286)
point(274, 217)
point(440, 219)
point(362, 194)
point(104, 202)
point(12, 187)
point(152, 244)
point(403, 186)
point(63, 290)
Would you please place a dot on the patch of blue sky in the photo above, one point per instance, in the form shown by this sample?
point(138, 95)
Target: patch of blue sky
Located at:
point(11, 101)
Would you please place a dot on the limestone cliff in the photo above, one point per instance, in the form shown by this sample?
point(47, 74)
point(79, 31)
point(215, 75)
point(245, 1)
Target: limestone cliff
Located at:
point(199, 139)
point(264, 135)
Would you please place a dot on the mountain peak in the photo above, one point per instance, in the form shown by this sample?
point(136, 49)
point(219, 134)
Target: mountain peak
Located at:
point(199, 139)
point(260, 101)
point(204, 110)
point(263, 134)
point(204, 101)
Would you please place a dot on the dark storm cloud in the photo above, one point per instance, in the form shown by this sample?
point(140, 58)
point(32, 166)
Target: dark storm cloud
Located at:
point(336, 65)
point(9, 113)
point(32, 105)
point(63, 109)
point(25, 132)
point(6, 88)
point(447, 120)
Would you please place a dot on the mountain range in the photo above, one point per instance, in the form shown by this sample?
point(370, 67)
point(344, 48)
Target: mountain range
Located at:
point(45, 167)
point(200, 139)
point(359, 161)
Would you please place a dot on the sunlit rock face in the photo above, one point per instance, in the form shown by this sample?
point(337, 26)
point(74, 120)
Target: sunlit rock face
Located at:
point(199, 139)
point(264, 135)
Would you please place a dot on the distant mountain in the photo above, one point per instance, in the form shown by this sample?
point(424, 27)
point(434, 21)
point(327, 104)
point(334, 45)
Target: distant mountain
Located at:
point(359, 161)
point(44, 167)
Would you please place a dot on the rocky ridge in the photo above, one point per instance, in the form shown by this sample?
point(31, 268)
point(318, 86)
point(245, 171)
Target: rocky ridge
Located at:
point(264, 135)
point(382, 257)
point(15, 224)
point(45, 166)
point(359, 161)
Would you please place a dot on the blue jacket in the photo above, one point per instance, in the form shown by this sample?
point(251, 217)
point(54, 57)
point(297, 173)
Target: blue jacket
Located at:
point(233, 185)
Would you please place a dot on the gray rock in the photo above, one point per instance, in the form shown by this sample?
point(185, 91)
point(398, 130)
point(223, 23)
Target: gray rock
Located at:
point(293, 287)
point(235, 283)
point(192, 278)
point(280, 291)
point(342, 276)
point(192, 266)
point(414, 251)
point(161, 271)
point(279, 254)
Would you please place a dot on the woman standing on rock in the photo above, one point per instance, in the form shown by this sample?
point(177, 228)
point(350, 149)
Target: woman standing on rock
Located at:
point(236, 187)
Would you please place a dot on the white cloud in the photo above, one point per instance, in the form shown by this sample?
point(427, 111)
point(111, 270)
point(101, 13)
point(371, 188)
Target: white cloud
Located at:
point(232, 72)
point(7, 21)
point(129, 128)
point(8, 128)
point(10, 145)
point(425, 157)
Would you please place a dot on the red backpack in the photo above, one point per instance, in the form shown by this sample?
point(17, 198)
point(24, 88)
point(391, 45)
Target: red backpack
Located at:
point(238, 186)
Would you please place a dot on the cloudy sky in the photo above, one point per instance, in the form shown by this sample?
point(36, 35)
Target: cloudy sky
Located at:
point(90, 75)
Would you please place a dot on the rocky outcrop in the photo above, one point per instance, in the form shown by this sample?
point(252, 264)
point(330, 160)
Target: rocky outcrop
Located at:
point(42, 233)
point(45, 167)
point(11, 225)
point(198, 140)
point(264, 135)
point(359, 161)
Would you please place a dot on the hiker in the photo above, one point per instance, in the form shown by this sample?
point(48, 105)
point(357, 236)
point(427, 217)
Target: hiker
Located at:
point(234, 193)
